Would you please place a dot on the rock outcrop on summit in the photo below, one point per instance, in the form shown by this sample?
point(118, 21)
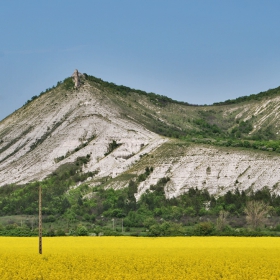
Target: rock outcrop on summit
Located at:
point(76, 78)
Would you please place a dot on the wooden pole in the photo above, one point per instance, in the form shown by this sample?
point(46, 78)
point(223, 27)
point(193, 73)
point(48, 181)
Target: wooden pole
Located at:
point(40, 220)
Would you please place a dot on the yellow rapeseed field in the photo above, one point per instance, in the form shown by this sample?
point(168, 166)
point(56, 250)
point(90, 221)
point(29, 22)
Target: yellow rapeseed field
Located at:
point(140, 258)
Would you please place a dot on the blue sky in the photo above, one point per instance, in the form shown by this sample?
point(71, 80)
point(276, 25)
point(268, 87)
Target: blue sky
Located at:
point(198, 51)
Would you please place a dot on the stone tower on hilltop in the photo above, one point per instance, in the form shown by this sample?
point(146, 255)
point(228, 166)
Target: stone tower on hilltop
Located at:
point(76, 78)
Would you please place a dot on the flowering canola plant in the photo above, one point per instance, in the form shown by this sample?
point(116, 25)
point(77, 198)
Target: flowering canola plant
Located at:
point(140, 258)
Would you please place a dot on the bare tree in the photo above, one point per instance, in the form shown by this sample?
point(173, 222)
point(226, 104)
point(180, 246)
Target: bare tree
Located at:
point(222, 219)
point(256, 212)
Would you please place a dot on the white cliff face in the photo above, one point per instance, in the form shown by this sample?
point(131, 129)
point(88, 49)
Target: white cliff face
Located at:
point(215, 169)
point(63, 124)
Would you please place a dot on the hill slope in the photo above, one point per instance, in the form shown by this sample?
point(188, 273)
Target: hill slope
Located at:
point(122, 131)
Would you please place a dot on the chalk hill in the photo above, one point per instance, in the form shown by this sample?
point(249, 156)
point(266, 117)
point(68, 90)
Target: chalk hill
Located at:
point(121, 131)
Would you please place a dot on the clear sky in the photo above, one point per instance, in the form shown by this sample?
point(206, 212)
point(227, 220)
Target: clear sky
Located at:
point(198, 51)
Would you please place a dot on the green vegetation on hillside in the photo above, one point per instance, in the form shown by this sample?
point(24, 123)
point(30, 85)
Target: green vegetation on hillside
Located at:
point(163, 100)
point(67, 84)
point(160, 100)
point(252, 97)
point(212, 128)
point(83, 209)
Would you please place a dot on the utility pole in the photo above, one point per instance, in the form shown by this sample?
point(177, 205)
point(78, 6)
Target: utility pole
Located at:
point(40, 220)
